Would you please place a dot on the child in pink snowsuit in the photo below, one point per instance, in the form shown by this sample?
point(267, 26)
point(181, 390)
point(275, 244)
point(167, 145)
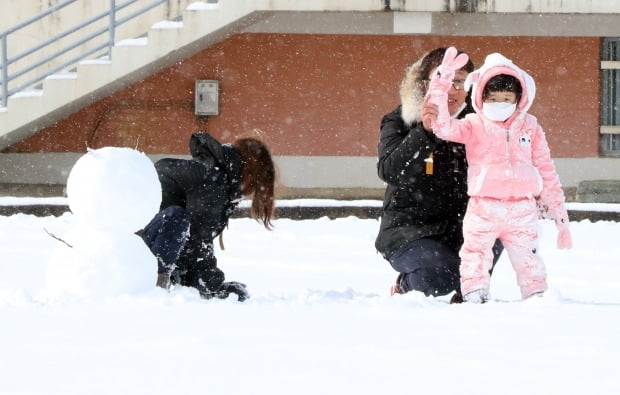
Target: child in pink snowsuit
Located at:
point(510, 167)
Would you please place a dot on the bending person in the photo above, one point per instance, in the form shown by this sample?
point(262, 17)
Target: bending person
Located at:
point(198, 197)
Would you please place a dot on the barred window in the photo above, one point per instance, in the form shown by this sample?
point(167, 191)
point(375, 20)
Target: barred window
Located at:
point(610, 97)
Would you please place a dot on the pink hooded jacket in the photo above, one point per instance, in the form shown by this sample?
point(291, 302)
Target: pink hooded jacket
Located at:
point(510, 159)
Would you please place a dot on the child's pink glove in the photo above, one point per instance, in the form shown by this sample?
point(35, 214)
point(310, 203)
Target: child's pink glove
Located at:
point(560, 217)
point(442, 80)
point(565, 241)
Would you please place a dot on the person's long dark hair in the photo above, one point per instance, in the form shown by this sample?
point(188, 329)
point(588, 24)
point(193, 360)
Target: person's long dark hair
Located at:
point(257, 178)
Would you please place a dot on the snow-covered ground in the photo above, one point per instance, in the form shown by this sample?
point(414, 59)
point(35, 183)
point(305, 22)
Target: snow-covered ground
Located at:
point(320, 321)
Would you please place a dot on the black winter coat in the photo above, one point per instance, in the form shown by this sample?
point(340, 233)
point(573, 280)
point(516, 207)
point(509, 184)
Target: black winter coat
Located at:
point(208, 187)
point(418, 204)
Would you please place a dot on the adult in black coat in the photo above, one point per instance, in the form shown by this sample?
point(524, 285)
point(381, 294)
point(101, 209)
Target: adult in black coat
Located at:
point(198, 197)
point(426, 195)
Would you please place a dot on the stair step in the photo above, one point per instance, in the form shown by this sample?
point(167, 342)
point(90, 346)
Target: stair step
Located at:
point(24, 106)
point(59, 88)
point(165, 36)
point(167, 25)
point(198, 6)
point(28, 93)
point(203, 18)
point(69, 75)
point(133, 42)
point(130, 55)
point(101, 60)
point(91, 72)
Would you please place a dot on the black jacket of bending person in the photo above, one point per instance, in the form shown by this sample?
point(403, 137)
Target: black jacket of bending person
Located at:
point(207, 186)
point(199, 196)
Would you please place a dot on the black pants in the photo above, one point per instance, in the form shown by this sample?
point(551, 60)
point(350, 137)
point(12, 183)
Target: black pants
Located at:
point(189, 262)
point(166, 236)
point(430, 266)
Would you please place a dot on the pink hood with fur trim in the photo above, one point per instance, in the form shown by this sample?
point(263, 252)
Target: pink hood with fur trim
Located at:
point(496, 64)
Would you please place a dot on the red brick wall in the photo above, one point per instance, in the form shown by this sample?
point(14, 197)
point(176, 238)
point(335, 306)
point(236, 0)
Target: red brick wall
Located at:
point(323, 94)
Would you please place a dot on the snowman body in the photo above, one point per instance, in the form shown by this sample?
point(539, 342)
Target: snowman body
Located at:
point(113, 192)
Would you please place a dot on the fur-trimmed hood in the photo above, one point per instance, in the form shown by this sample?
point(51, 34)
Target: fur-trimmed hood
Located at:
point(411, 95)
point(496, 64)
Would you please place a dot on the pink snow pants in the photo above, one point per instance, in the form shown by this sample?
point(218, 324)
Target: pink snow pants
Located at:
point(515, 223)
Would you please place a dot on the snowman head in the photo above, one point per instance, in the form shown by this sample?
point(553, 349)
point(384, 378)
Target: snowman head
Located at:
point(114, 189)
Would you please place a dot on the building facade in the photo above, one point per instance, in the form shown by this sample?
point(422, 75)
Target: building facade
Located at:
point(316, 84)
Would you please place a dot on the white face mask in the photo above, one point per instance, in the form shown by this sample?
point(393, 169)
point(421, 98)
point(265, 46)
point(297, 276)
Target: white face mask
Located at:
point(498, 111)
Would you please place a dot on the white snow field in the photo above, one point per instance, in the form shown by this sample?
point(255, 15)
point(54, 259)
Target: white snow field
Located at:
point(320, 320)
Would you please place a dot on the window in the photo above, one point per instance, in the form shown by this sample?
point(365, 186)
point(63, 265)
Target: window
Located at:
point(610, 97)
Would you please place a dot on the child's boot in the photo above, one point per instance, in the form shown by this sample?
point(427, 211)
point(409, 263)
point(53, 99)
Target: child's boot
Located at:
point(477, 296)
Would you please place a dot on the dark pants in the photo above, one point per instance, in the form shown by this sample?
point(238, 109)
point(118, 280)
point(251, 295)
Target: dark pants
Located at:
point(166, 236)
point(189, 262)
point(431, 266)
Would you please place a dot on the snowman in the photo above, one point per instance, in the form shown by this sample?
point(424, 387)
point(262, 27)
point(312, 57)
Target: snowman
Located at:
point(113, 192)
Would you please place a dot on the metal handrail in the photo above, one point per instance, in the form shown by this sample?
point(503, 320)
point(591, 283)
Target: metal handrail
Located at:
point(7, 77)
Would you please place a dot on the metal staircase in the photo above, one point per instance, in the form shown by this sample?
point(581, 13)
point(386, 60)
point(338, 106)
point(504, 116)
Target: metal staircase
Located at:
point(49, 96)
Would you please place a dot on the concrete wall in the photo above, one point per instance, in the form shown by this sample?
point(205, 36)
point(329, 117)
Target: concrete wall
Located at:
point(507, 6)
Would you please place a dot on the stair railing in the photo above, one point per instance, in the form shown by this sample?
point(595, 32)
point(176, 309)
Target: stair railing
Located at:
point(10, 76)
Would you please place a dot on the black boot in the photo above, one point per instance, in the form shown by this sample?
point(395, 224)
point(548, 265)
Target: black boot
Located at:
point(457, 297)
